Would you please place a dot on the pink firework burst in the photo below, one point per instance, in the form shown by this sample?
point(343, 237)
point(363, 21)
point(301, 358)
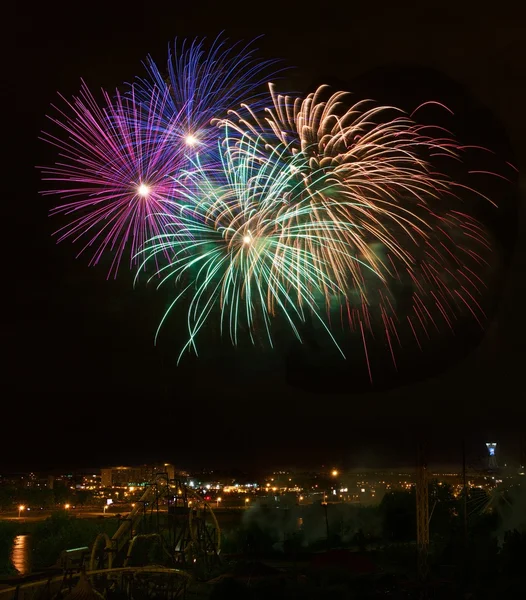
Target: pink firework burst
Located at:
point(115, 174)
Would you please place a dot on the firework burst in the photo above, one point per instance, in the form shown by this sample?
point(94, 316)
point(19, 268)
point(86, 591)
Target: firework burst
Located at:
point(119, 160)
point(245, 243)
point(369, 180)
point(374, 175)
point(312, 210)
point(115, 175)
point(202, 85)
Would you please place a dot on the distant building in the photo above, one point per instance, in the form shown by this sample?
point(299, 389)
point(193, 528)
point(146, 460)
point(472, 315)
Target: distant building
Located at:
point(125, 476)
point(492, 455)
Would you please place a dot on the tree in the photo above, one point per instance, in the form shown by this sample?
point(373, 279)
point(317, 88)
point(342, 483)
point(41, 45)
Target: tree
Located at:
point(398, 513)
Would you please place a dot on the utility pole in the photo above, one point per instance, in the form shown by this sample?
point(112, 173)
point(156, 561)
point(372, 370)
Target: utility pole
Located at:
point(465, 496)
point(422, 516)
point(464, 514)
point(325, 507)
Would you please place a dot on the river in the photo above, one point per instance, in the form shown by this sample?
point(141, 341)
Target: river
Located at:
point(21, 554)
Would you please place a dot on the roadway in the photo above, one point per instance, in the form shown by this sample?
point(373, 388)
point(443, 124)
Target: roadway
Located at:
point(89, 513)
point(40, 515)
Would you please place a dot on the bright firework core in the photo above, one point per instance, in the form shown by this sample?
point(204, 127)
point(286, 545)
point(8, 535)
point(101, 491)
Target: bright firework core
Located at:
point(247, 239)
point(143, 190)
point(190, 140)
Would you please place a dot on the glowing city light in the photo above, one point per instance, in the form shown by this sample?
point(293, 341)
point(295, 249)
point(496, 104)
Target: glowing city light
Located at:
point(491, 448)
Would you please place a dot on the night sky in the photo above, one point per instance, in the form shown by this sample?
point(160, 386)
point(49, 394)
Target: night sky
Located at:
point(84, 384)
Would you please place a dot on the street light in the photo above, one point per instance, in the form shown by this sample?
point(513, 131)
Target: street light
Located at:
point(247, 500)
point(20, 509)
point(66, 506)
point(334, 473)
point(218, 501)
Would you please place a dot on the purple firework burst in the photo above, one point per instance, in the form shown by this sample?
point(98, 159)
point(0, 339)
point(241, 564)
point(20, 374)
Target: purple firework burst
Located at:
point(115, 173)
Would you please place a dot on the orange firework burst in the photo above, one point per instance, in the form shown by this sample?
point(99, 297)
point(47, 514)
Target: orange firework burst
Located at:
point(368, 174)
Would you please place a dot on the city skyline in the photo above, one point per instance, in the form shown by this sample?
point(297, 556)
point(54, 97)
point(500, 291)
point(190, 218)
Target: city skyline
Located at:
point(510, 454)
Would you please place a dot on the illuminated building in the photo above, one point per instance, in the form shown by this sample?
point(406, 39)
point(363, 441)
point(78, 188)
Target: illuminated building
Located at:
point(492, 455)
point(126, 475)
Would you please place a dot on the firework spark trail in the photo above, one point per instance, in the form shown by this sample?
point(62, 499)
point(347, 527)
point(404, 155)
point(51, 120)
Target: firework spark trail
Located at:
point(116, 175)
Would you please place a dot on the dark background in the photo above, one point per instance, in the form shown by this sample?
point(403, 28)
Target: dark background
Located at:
point(84, 384)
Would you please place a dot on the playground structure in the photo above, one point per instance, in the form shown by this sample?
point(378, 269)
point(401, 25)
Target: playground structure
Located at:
point(186, 532)
point(170, 536)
